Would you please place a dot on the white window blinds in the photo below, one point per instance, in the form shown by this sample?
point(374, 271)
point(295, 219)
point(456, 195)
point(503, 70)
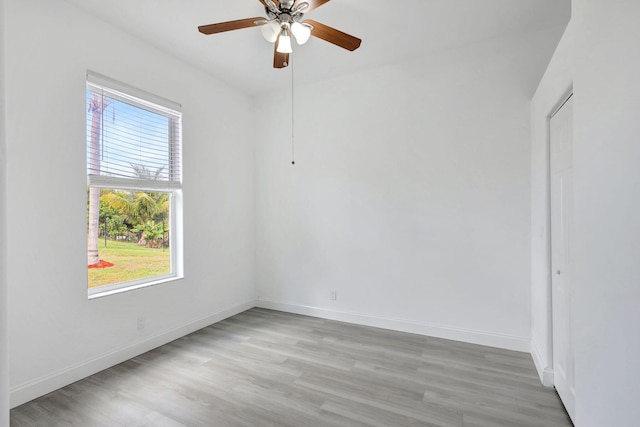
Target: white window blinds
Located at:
point(131, 135)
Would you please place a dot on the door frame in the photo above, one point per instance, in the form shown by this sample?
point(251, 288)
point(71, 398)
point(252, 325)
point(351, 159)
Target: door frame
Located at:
point(550, 381)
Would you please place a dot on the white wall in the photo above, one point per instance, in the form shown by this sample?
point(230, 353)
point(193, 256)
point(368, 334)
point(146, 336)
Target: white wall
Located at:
point(56, 334)
point(410, 196)
point(4, 342)
point(601, 59)
point(607, 205)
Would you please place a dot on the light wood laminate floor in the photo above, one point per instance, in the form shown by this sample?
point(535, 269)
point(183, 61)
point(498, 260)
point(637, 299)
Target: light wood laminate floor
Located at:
point(268, 368)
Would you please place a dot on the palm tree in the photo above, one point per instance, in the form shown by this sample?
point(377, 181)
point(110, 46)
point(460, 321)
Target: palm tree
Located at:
point(140, 206)
point(143, 173)
point(150, 204)
point(96, 108)
point(144, 208)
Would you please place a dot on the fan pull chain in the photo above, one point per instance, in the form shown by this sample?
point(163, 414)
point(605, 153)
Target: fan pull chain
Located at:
point(293, 144)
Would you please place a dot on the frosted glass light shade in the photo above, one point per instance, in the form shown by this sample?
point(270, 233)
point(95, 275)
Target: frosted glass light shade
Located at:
point(300, 32)
point(270, 31)
point(284, 45)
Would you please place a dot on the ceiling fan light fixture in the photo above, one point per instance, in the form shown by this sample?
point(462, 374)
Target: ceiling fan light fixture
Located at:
point(270, 31)
point(301, 32)
point(284, 44)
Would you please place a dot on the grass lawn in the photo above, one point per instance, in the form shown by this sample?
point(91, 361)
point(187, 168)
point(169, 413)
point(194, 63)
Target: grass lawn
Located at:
point(130, 262)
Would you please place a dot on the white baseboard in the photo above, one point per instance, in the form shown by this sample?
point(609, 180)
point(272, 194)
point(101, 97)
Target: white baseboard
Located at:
point(48, 383)
point(544, 371)
point(429, 329)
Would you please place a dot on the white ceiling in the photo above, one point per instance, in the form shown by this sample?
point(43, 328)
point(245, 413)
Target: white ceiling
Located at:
point(391, 31)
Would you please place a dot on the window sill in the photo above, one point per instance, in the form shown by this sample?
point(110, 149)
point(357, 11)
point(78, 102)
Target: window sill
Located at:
point(103, 291)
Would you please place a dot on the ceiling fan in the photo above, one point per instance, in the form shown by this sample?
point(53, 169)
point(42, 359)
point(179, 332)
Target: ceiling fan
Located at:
point(284, 18)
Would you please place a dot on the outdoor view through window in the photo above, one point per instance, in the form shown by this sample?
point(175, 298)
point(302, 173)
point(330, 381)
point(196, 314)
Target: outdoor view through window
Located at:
point(134, 184)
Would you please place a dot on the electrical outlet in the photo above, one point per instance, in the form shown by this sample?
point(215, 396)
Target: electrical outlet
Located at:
point(334, 295)
point(141, 323)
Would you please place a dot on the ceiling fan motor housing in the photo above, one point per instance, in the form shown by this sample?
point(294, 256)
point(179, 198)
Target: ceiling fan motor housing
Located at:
point(285, 14)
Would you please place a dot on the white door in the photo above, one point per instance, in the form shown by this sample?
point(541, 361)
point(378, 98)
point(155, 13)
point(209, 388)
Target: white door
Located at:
point(561, 163)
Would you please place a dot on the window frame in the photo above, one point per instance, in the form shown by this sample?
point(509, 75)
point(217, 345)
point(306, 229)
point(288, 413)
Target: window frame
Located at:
point(147, 101)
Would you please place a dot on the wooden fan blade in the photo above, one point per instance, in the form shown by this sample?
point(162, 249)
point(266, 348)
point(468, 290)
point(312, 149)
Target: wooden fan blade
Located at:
point(313, 4)
point(334, 36)
point(277, 3)
point(280, 60)
point(228, 26)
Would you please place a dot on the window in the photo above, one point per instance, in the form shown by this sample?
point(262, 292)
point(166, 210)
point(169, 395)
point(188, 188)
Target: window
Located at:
point(134, 193)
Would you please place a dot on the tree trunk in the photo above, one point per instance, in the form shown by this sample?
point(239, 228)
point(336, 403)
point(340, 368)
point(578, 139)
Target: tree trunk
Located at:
point(96, 108)
point(94, 224)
